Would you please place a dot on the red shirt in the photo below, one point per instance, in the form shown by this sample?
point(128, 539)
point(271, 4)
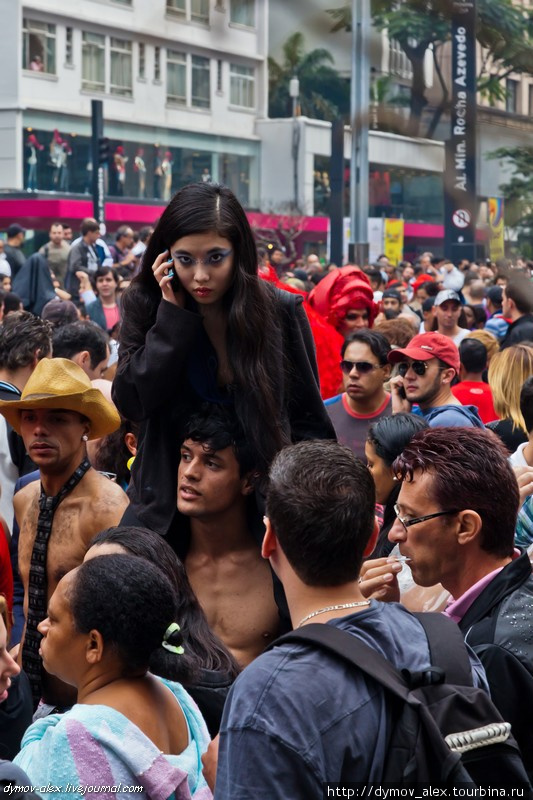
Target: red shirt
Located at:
point(6, 573)
point(476, 393)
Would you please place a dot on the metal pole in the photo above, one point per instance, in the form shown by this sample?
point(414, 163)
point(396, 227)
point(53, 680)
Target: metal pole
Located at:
point(97, 125)
point(360, 101)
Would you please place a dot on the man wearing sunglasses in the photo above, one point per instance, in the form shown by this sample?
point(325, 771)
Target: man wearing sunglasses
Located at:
point(426, 369)
point(364, 368)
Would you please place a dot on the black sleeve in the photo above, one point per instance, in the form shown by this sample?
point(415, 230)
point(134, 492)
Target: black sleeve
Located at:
point(511, 690)
point(307, 413)
point(152, 357)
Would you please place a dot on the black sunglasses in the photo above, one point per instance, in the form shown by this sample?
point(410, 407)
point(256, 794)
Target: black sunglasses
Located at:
point(418, 367)
point(362, 367)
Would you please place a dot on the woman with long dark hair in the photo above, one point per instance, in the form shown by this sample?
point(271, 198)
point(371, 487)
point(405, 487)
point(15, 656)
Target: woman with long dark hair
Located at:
point(200, 325)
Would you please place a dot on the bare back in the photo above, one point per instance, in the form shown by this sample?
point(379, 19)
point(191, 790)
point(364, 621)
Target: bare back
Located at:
point(94, 504)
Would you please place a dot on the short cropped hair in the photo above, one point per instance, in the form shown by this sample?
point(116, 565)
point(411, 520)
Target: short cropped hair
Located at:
point(520, 290)
point(71, 339)
point(378, 344)
point(23, 336)
point(473, 355)
point(320, 501)
point(89, 225)
point(470, 469)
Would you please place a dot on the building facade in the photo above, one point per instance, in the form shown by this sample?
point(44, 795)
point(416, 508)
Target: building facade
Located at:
point(182, 84)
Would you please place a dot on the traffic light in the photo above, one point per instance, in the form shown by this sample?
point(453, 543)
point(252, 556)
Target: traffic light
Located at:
point(103, 150)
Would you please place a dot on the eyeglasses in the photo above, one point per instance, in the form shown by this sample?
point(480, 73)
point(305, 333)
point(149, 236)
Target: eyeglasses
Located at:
point(415, 520)
point(213, 259)
point(363, 367)
point(418, 367)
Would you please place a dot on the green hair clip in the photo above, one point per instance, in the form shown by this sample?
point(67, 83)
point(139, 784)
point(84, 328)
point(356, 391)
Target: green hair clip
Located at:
point(173, 648)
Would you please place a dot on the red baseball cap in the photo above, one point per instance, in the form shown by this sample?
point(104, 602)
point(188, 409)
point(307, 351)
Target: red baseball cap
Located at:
point(429, 345)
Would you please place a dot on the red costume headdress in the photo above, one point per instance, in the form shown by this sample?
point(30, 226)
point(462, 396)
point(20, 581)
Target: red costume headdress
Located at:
point(343, 289)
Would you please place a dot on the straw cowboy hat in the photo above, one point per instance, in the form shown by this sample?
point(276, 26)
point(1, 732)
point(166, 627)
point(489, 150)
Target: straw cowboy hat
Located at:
point(60, 383)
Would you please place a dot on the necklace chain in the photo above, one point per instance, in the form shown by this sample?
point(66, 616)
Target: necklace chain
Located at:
point(333, 608)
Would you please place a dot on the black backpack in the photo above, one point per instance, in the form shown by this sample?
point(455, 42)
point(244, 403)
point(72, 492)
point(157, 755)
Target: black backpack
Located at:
point(445, 732)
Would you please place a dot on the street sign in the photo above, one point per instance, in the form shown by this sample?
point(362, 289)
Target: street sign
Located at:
point(461, 218)
point(460, 190)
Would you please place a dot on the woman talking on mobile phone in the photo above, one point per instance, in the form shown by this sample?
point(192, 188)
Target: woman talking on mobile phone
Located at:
point(200, 325)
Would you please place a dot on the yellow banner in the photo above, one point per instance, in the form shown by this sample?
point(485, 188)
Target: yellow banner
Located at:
point(394, 240)
point(496, 232)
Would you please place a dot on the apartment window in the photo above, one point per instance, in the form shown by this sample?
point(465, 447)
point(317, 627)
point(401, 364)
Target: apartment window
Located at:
point(201, 82)
point(194, 10)
point(242, 12)
point(157, 64)
point(39, 46)
point(93, 62)
point(200, 11)
point(121, 67)
point(219, 76)
point(242, 86)
point(176, 77)
point(142, 61)
point(177, 7)
point(69, 51)
point(511, 96)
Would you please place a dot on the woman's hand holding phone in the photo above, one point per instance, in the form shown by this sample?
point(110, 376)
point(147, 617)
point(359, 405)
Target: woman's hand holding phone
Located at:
point(168, 281)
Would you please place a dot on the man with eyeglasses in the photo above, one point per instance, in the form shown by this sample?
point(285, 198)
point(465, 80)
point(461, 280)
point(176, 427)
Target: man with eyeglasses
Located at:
point(456, 518)
point(364, 368)
point(426, 369)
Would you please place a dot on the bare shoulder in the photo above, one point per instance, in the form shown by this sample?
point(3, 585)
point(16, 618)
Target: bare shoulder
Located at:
point(24, 498)
point(107, 500)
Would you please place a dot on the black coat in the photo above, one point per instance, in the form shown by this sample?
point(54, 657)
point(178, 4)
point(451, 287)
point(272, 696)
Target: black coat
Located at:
point(33, 284)
point(521, 330)
point(498, 628)
point(152, 386)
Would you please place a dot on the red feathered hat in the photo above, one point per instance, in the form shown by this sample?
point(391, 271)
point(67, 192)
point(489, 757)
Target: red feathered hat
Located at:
point(342, 289)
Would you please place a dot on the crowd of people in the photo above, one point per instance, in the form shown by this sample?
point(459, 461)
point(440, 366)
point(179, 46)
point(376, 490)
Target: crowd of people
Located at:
point(204, 447)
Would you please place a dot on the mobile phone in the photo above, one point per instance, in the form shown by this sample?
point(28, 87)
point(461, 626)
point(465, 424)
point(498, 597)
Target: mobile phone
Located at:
point(401, 393)
point(175, 281)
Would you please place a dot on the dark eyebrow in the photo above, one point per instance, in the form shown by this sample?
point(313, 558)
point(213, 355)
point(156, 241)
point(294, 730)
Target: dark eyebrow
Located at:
point(216, 249)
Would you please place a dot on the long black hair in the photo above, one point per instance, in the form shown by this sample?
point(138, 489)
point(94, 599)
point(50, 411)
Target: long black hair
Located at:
point(199, 640)
point(253, 336)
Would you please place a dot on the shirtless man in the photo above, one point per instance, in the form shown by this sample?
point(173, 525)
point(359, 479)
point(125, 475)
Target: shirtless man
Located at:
point(58, 412)
point(231, 580)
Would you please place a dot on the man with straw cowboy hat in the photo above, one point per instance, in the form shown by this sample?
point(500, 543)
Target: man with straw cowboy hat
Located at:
point(57, 413)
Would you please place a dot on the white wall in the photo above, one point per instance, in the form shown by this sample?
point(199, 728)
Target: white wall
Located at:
point(147, 22)
point(315, 139)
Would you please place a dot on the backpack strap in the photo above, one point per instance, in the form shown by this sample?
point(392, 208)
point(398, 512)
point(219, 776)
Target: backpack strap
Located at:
point(447, 647)
point(350, 649)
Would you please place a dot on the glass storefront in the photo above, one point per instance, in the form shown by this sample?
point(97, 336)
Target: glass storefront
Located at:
point(55, 161)
point(412, 194)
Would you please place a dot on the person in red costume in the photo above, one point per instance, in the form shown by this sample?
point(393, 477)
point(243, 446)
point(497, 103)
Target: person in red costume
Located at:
point(345, 299)
point(328, 341)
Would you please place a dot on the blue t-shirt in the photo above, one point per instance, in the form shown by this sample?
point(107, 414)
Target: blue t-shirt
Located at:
point(298, 717)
